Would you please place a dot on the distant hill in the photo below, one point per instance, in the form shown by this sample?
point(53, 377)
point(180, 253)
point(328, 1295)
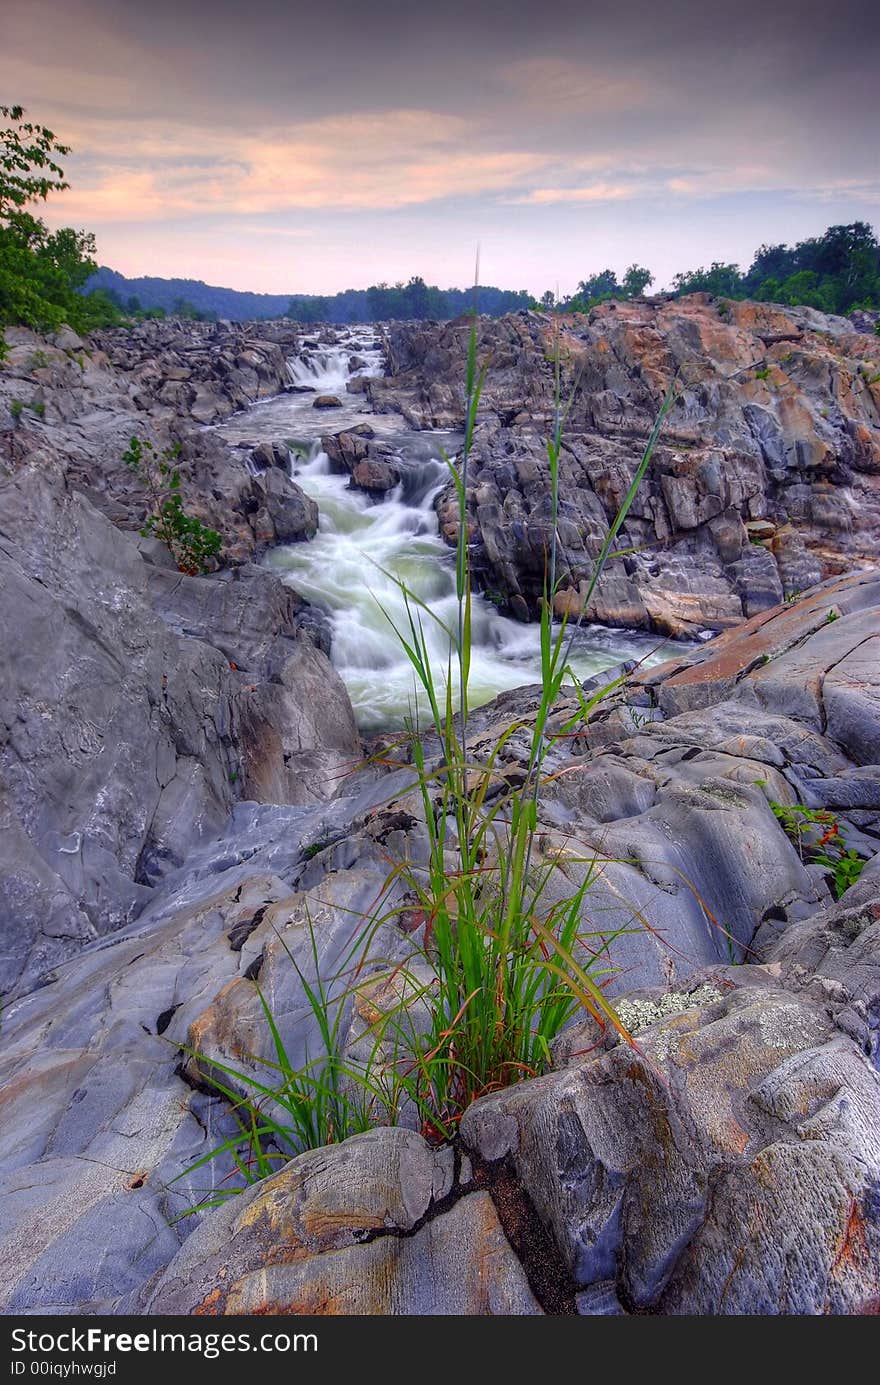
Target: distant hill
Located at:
point(380, 302)
point(205, 298)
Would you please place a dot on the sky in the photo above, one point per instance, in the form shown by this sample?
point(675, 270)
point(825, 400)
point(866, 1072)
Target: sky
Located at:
point(283, 146)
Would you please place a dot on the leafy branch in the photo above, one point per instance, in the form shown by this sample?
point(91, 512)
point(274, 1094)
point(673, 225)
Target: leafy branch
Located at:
point(192, 544)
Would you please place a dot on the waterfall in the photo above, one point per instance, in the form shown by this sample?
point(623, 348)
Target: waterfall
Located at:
point(349, 568)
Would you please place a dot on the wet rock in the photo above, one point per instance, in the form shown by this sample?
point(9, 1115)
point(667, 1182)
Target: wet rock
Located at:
point(326, 401)
point(269, 454)
point(375, 475)
point(292, 514)
point(345, 450)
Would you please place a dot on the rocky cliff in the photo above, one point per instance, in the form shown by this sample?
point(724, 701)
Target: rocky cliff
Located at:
point(767, 477)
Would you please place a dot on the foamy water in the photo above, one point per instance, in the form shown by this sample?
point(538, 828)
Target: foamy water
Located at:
point(363, 549)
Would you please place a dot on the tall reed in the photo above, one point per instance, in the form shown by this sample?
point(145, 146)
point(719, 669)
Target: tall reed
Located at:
point(501, 963)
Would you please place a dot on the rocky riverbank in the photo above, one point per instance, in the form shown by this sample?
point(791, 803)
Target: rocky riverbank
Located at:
point(69, 408)
point(767, 477)
point(183, 812)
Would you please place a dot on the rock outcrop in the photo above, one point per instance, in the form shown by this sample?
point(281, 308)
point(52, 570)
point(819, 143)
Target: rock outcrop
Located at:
point(766, 479)
point(726, 1163)
point(137, 705)
point(74, 407)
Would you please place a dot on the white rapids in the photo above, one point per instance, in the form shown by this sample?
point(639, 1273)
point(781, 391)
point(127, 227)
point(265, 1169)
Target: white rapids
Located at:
point(349, 568)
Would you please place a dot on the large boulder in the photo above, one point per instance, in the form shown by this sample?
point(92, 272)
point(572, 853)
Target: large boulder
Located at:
point(127, 734)
point(371, 1226)
point(726, 1164)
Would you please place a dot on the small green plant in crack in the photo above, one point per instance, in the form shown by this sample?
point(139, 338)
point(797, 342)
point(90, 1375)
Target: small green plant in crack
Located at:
point(18, 406)
point(315, 848)
point(192, 544)
point(762, 373)
point(640, 719)
point(820, 840)
point(38, 360)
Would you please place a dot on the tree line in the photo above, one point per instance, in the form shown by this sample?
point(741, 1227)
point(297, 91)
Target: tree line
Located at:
point(47, 277)
point(835, 272)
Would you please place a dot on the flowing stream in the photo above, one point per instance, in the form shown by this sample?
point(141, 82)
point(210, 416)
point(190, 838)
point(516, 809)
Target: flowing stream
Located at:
point(350, 566)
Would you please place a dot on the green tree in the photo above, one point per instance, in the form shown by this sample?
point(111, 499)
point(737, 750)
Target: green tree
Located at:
point(636, 280)
point(598, 286)
point(192, 544)
point(834, 272)
point(722, 280)
point(309, 310)
point(41, 272)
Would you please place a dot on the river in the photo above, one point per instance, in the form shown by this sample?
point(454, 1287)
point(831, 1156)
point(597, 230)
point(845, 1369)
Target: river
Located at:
point(349, 568)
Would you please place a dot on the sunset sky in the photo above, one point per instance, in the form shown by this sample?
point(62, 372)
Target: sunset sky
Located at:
point(292, 147)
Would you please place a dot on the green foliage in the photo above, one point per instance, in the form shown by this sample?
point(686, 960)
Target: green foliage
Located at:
point(18, 406)
point(41, 272)
point(636, 280)
point(290, 1108)
point(192, 544)
point(152, 297)
point(419, 300)
point(722, 280)
point(762, 373)
point(598, 288)
point(28, 167)
point(820, 840)
point(834, 272)
point(309, 310)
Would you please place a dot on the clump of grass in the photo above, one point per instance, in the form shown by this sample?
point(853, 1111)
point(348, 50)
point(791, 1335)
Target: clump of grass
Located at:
point(505, 952)
point(284, 1108)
